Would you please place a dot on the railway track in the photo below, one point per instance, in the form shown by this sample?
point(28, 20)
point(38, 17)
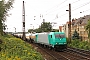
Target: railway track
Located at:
point(71, 55)
point(49, 55)
point(82, 53)
point(52, 54)
point(65, 55)
point(68, 54)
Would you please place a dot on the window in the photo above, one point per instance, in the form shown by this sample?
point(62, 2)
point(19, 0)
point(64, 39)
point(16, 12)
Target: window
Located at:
point(78, 29)
point(51, 36)
point(82, 26)
point(59, 35)
point(82, 32)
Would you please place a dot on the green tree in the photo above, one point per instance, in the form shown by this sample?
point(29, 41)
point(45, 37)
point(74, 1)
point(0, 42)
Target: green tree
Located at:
point(30, 30)
point(38, 30)
point(87, 27)
point(55, 30)
point(4, 8)
point(46, 27)
point(75, 35)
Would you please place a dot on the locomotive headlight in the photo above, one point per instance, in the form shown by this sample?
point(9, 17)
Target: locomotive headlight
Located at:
point(64, 43)
point(56, 43)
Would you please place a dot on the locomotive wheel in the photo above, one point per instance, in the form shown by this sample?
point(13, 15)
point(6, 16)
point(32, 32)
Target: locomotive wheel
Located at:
point(50, 47)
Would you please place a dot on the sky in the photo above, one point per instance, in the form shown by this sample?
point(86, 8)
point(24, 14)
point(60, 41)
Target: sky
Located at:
point(53, 11)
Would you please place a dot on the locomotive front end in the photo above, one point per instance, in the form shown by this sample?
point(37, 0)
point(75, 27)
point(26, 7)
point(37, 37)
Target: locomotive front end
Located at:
point(60, 41)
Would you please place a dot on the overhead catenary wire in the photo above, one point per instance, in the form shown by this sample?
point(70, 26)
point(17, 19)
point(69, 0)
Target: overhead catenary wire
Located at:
point(82, 5)
point(62, 7)
point(56, 6)
point(75, 2)
point(56, 10)
point(63, 15)
point(79, 6)
point(75, 9)
point(86, 10)
point(67, 5)
point(82, 11)
point(38, 15)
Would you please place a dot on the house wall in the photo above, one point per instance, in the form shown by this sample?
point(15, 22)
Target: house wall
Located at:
point(81, 30)
point(78, 24)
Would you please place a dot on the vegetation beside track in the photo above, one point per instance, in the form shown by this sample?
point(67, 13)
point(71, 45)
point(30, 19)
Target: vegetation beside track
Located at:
point(16, 49)
point(79, 44)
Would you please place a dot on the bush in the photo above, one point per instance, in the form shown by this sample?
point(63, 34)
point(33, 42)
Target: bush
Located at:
point(16, 49)
point(0, 43)
point(80, 44)
point(67, 40)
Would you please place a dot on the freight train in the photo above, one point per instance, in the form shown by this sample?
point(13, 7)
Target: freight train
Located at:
point(51, 40)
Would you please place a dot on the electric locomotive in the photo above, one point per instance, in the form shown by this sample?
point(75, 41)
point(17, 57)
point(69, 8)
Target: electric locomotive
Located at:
point(52, 40)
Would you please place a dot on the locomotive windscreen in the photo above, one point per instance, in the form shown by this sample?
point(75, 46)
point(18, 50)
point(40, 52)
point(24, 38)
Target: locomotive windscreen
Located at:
point(59, 35)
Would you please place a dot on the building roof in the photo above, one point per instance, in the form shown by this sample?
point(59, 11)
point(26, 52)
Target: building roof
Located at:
point(81, 20)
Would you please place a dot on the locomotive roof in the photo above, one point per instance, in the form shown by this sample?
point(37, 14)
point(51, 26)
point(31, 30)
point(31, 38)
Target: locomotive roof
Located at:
point(56, 33)
point(50, 33)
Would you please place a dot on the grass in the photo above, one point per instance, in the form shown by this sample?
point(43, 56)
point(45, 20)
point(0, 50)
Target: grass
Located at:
point(16, 49)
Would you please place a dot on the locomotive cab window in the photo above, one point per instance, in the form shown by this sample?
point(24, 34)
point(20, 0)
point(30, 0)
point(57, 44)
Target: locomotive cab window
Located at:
point(59, 35)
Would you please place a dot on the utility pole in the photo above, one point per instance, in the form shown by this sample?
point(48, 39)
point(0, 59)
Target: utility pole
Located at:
point(69, 27)
point(70, 22)
point(23, 19)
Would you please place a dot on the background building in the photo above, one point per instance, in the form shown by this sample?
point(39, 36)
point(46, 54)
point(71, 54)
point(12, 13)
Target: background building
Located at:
point(78, 25)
